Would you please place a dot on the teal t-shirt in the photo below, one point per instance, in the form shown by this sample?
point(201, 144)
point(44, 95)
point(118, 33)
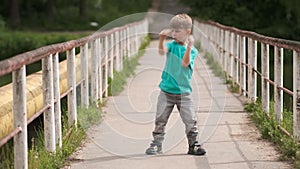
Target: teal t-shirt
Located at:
point(176, 79)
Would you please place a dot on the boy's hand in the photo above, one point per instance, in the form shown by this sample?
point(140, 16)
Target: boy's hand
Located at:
point(165, 32)
point(191, 40)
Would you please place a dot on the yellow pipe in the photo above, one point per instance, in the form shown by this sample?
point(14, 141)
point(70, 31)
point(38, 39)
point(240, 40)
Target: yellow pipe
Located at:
point(34, 93)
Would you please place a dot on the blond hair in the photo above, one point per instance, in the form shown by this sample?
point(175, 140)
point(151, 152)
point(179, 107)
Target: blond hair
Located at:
point(181, 21)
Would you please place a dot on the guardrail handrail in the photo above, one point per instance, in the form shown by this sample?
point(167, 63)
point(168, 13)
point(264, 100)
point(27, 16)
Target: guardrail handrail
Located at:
point(16, 62)
point(282, 43)
point(108, 49)
point(237, 52)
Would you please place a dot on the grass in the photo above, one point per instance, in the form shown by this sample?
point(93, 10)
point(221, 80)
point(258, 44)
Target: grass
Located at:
point(39, 157)
point(72, 138)
point(7, 155)
point(218, 71)
point(214, 66)
point(269, 127)
point(116, 85)
point(234, 88)
point(267, 123)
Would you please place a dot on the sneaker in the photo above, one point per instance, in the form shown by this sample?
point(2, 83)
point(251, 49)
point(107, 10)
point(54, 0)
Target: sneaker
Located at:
point(196, 149)
point(154, 149)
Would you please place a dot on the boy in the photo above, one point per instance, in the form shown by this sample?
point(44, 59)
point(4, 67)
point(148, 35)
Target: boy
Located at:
point(176, 84)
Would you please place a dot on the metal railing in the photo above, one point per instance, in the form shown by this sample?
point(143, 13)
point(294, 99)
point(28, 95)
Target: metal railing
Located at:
point(237, 52)
point(100, 54)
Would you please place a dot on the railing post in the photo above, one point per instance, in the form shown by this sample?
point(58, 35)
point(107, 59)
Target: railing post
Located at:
point(106, 66)
point(94, 73)
point(215, 30)
point(100, 73)
point(84, 75)
point(296, 91)
point(222, 49)
point(111, 56)
point(72, 104)
point(265, 89)
point(237, 61)
point(136, 39)
point(250, 67)
point(278, 79)
point(252, 64)
point(226, 52)
point(117, 44)
point(234, 58)
point(132, 39)
point(231, 55)
point(57, 105)
point(229, 59)
point(49, 120)
point(20, 118)
point(254, 74)
point(121, 41)
point(242, 64)
point(128, 42)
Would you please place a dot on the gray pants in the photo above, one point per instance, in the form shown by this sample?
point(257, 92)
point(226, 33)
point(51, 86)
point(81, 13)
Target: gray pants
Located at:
point(165, 105)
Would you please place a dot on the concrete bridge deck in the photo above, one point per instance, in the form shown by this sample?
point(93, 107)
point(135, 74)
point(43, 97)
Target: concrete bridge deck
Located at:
point(226, 131)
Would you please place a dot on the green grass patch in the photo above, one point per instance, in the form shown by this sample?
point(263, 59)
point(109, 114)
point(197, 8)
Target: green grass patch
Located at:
point(39, 157)
point(16, 42)
point(214, 66)
point(267, 123)
point(268, 126)
point(13, 43)
point(72, 138)
point(234, 88)
point(7, 155)
point(89, 116)
point(116, 85)
point(218, 71)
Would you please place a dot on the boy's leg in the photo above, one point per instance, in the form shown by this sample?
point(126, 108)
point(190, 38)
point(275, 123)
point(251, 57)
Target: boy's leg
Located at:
point(189, 118)
point(165, 105)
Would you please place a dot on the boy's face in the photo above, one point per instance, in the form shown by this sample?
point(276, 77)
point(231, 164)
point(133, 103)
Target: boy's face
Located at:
point(180, 34)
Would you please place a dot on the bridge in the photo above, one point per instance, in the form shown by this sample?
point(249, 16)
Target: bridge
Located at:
point(226, 131)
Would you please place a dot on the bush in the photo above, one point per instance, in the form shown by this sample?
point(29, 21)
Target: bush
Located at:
point(2, 23)
point(269, 129)
point(13, 43)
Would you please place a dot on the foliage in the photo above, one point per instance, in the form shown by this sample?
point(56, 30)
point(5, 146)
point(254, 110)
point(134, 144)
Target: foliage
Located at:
point(39, 157)
point(66, 15)
point(88, 116)
point(13, 43)
point(276, 18)
point(116, 85)
point(218, 71)
point(2, 23)
point(6, 155)
point(269, 129)
point(214, 66)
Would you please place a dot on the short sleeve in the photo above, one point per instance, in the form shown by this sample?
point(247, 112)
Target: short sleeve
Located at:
point(168, 45)
point(194, 54)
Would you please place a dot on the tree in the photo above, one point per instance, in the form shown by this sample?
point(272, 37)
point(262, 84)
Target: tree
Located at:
point(15, 13)
point(83, 9)
point(50, 9)
point(278, 18)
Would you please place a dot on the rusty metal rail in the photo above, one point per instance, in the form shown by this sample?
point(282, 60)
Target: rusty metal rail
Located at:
point(100, 54)
point(237, 52)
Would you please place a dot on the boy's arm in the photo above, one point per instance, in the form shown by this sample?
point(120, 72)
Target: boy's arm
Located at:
point(186, 60)
point(162, 37)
